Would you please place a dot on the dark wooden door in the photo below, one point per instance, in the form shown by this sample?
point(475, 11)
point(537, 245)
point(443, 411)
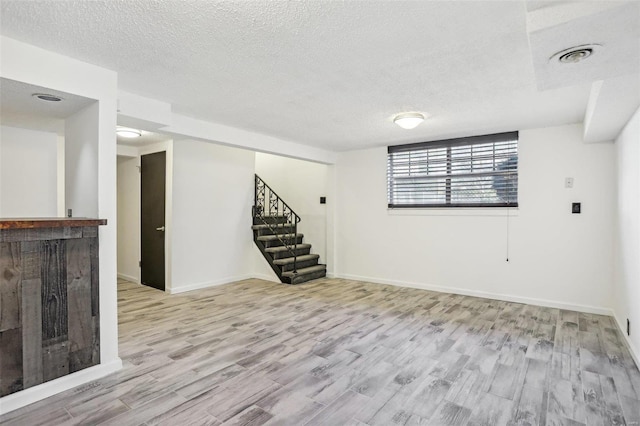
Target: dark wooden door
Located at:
point(152, 226)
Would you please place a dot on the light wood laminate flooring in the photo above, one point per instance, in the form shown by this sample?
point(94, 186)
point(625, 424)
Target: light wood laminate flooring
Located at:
point(339, 352)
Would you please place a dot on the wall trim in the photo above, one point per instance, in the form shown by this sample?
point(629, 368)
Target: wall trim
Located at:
point(265, 277)
point(206, 284)
point(223, 281)
point(635, 354)
point(485, 295)
point(129, 278)
point(45, 390)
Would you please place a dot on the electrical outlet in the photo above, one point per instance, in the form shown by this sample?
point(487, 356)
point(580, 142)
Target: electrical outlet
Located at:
point(575, 208)
point(628, 327)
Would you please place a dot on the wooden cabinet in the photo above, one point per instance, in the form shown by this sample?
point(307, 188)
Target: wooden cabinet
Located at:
point(49, 300)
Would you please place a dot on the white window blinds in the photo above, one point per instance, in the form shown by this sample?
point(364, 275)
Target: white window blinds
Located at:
point(477, 171)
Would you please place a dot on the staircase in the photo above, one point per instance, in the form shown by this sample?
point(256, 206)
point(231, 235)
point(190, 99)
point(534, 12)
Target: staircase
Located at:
point(275, 232)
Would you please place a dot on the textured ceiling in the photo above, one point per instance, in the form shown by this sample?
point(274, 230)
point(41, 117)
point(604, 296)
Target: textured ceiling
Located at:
point(574, 24)
point(323, 73)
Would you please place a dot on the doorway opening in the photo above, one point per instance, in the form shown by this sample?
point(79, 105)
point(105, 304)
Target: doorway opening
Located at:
point(144, 209)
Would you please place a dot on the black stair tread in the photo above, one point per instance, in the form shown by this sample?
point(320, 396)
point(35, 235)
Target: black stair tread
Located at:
point(271, 225)
point(285, 248)
point(305, 271)
point(275, 237)
point(302, 258)
point(279, 216)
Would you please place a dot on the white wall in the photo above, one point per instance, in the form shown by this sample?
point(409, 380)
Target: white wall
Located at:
point(300, 184)
point(23, 62)
point(627, 281)
point(81, 133)
point(128, 218)
point(556, 258)
point(61, 178)
point(28, 169)
point(212, 241)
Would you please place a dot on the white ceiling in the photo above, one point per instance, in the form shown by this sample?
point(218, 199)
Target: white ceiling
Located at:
point(332, 73)
point(147, 138)
point(18, 108)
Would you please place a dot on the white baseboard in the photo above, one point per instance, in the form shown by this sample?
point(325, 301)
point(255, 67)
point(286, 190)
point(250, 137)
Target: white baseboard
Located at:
point(634, 352)
point(129, 278)
point(273, 278)
point(223, 281)
point(207, 284)
point(483, 294)
point(47, 389)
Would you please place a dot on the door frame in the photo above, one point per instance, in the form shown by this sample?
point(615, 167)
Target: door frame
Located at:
point(167, 147)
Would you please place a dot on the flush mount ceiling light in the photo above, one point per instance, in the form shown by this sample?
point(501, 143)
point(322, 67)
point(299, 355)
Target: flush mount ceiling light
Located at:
point(47, 97)
point(128, 133)
point(408, 120)
point(575, 54)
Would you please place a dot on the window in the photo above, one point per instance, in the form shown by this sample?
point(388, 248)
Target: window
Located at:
point(478, 171)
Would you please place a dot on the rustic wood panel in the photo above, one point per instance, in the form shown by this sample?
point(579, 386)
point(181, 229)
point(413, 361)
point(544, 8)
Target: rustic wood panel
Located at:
point(95, 298)
point(95, 276)
point(95, 346)
point(10, 282)
point(42, 234)
point(54, 291)
point(89, 232)
point(80, 359)
point(12, 235)
point(55, 360)
point(32, 332)
point(71, 232)
point(79, 299)
point(30, 253)
point(11, 361)
point(49, 304)
point(10, 319)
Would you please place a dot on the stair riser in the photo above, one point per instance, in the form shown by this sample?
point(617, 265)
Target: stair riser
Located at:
point(279, 230)
point(270, 220)
point(304, 264)
point(278, 243)
point(308, 277)
point(287, 253)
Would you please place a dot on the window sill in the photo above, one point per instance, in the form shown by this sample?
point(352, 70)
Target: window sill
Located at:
point(455, 211)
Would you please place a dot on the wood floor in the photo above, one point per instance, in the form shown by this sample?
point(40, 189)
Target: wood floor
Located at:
point(339, 352)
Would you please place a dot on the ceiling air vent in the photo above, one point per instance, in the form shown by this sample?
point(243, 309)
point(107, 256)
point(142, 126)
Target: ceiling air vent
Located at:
point(47, 97)
point(575, 54)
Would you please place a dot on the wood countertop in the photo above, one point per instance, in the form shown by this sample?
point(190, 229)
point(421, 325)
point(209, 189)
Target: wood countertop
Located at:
point(49, 222)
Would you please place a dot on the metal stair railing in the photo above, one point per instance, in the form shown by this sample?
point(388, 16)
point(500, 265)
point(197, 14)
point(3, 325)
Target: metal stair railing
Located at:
point(267, 205)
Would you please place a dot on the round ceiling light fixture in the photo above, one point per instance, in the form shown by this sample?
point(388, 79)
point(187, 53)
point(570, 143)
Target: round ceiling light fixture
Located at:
point(408, 120)
point(575, 54)
point(128, 133)
point(47, 97)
